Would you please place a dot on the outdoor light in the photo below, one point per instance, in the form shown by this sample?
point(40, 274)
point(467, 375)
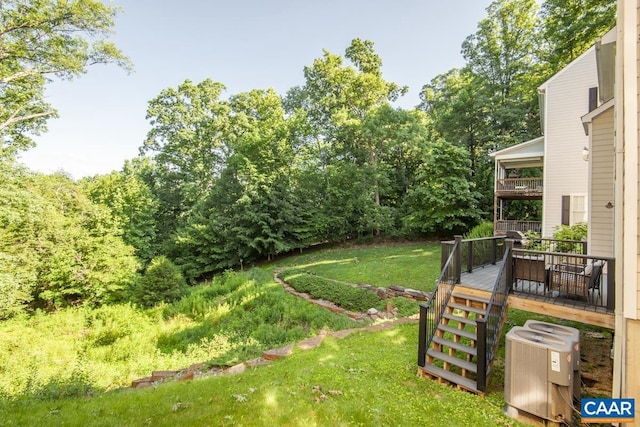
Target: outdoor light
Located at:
point(609, 205)
point(585, 154)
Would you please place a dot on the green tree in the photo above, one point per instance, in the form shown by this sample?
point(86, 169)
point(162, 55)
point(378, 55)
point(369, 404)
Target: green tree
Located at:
point(131, 203)
point(188, 127)
point(249, 210)
point(442, 199)
point(57, 248)
point(161, 282)
point(337, 98)
point(39, 40)
point(571, 26)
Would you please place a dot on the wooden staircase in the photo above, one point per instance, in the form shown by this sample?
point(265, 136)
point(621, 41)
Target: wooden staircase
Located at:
point(452, 356)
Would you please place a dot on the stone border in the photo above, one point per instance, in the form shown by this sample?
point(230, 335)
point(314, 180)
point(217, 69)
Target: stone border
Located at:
point(389, 317)
point(200, 370)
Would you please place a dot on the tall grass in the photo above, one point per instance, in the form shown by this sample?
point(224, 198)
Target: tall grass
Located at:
point(365, 379)
point(79, 351)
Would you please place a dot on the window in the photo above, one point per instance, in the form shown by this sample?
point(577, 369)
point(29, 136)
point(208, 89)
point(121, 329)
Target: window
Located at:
point(574, 209)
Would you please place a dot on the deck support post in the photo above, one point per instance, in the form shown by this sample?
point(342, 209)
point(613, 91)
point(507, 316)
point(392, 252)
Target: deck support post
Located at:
point(422, 335)
point(611, 285)
point(508, 269)
point(481, 359)
point(458, 258)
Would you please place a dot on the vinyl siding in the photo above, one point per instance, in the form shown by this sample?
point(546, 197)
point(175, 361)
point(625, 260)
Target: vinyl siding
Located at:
point(601, 158)
point(567, 100)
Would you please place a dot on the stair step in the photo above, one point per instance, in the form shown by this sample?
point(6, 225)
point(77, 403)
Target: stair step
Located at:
point(460, 319)
point(467, 308)
point(451, 377)
point(458, 332)
point(455, 345)
point(469, 366)
point(471, 298)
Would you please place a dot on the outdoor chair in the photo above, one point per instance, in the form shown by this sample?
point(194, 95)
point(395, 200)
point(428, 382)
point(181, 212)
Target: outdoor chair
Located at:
point(577, 280)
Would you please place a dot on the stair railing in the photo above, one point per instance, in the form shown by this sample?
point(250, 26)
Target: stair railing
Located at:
point(432, 311)
point(489, 328)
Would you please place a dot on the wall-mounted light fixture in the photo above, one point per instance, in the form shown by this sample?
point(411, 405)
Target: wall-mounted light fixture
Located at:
point(585, 154)
point(609, 205)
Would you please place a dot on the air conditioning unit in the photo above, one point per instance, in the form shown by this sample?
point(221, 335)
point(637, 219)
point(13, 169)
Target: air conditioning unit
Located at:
point(572, 336)
point(538, 374)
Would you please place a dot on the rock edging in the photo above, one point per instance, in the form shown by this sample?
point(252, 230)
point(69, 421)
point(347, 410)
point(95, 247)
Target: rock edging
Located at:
point(200, 370)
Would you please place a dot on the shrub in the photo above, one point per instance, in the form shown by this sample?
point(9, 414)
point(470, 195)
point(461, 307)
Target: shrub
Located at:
point(162, 282)
point(576, 232)
point(346, 296)
point(484, 229)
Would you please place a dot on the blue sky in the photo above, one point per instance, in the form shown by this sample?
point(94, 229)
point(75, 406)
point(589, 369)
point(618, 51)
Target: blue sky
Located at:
point(244, 44)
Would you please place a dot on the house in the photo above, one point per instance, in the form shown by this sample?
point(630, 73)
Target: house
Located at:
point(557, 157)
point(606, 156)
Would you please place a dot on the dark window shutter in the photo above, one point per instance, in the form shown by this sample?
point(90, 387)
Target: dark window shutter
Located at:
point(566, 209)
point(593, 98)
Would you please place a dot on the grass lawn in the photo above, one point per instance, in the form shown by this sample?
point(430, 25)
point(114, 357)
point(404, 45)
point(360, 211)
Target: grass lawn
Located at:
point(415, 265)
point(367, 378)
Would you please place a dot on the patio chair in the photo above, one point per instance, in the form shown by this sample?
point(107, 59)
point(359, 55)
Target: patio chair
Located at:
point(577, 280)
point(595, 282)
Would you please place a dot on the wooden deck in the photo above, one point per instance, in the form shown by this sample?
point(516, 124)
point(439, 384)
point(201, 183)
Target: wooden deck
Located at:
point(480, 283)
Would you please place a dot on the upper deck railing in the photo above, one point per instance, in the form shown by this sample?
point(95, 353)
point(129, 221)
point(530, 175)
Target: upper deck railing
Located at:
point(524, 186)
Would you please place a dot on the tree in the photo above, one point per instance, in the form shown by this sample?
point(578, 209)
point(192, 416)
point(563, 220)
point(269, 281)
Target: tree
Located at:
point(39, 40)
point(57, 248)
point(442, 199)
point(337, 99)
point(189, 124)
point(131, 203)
point(571, 27)
point(161, 282)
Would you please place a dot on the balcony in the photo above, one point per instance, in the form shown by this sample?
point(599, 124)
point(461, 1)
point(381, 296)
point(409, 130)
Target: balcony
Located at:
point(504, 225)
point(519, 188)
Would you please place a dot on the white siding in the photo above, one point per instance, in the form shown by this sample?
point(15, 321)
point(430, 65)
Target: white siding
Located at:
point(601, 158)
point(567, 100)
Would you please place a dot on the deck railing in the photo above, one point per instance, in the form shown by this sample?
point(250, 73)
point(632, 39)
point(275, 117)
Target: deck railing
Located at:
point(475, 253)
point(489, 328)
point(519, 185)
point(502, 226)
point(584, 280)
point(432, 311)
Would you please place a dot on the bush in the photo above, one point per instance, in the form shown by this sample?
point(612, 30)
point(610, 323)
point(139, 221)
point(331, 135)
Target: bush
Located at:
point(346, 296)
point(576, 232)
point(484, 229)
point(162, 282)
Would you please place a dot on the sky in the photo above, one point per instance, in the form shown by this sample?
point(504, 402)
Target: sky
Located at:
point(245, 45)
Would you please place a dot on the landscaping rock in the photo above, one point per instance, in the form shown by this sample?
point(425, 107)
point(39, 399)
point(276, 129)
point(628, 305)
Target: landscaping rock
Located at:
point(161, 375)
point(187, 376)
point(236, 369)
point(254, 363)
point(372, 311)
point(396, 288)
point(312, 342)
point(142, 383)
point(278, 353)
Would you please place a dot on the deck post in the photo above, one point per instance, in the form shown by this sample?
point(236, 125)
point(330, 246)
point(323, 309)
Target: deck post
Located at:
point(470, 257)
point(494, 244)
point(481, 349)
point(444, 256)
point(458, 258)
point(508, 268)
point(611, 285)
point(422, 335)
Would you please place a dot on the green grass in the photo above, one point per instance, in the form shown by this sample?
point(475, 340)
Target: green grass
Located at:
point(368, 378)
point(81, 351)
point(415, 265)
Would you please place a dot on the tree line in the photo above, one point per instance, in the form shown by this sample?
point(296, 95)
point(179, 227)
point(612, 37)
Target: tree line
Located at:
point(225, 180)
